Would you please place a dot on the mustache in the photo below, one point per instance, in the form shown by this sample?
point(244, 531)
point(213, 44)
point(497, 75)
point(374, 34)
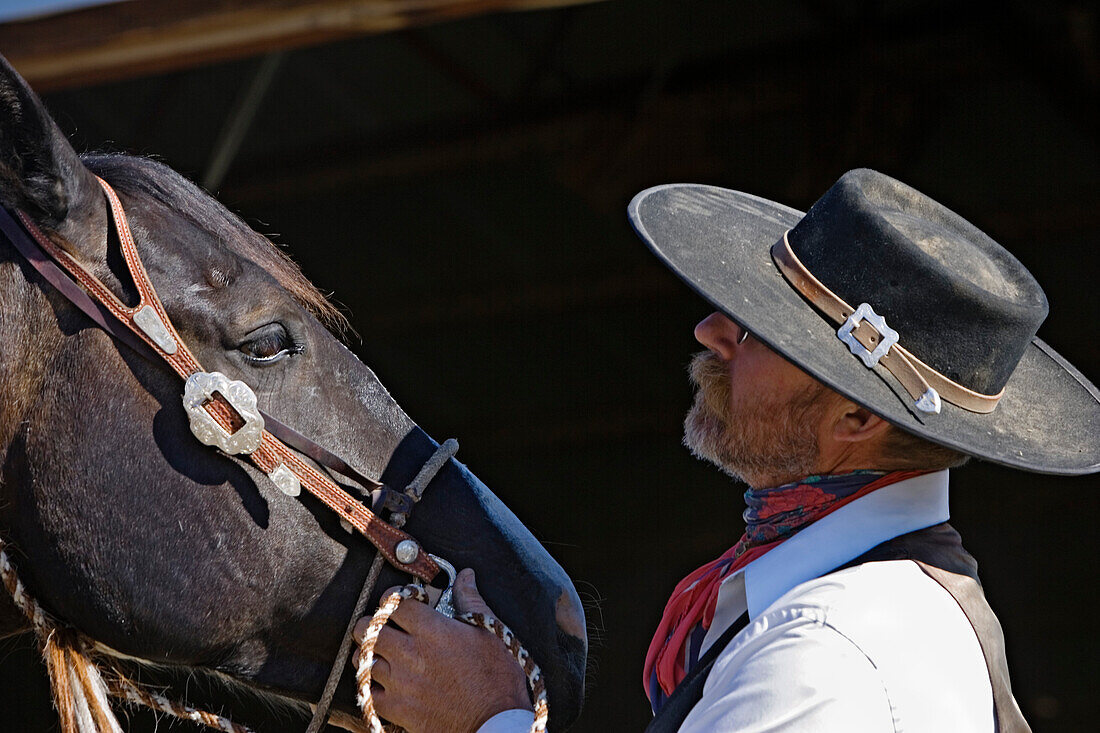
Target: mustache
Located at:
point(709, 374)
point(705, 367)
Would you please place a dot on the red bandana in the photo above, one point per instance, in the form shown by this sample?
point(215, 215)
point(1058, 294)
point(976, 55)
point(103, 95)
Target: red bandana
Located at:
point(773, 516)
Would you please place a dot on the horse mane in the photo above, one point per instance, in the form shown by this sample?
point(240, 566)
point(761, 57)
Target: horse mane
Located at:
point(137, 175)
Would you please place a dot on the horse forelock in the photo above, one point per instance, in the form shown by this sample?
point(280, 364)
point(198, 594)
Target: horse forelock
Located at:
point(145, 176)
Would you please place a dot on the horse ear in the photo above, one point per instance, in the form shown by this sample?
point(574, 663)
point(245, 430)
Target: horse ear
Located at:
point(40, 172)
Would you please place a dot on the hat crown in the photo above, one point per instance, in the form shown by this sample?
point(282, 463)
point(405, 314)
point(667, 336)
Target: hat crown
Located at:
point(959, 301)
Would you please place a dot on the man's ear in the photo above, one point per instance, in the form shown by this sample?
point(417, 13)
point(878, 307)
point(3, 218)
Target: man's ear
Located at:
point(855, 424)
point(40, 173)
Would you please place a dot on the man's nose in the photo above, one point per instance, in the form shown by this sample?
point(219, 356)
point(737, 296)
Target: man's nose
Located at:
point(720, 335)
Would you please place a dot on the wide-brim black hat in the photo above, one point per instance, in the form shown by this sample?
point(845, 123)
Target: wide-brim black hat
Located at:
point(958, 301)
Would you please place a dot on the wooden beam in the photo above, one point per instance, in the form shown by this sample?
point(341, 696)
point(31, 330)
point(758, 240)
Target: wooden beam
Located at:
point(127, 39)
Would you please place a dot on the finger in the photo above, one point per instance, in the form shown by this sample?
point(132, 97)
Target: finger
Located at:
point(381, 672)
point(416, 617)
point(378, 695)
point(360, 629)
point(386, 707)
point(467, 599)
point(395, 644)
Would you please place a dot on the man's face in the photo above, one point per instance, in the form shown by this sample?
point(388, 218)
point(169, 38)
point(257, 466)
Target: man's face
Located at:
point(756, 416)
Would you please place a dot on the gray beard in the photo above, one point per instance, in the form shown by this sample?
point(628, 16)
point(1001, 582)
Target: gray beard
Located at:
point(762, 443)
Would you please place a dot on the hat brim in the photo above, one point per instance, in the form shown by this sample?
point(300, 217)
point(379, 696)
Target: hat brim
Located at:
point(718, 241)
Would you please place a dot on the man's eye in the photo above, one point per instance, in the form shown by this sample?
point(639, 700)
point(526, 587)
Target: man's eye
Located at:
point(269, 344)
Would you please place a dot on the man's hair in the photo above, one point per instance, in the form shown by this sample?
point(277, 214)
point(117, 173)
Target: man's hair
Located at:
point(900, 450)
point(903, 450)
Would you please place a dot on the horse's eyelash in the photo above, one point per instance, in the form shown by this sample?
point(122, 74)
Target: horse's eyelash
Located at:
point(274, 358)
point(292, 347)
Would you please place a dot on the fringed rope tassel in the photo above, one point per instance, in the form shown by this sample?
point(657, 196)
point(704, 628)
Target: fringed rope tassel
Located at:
point(80, 693)
point(57, 669)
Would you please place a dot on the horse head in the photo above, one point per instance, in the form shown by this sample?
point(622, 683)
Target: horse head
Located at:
point(161, 549)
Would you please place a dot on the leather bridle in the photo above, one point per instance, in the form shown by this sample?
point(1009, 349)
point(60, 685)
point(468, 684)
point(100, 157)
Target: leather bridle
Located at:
point(224, 414)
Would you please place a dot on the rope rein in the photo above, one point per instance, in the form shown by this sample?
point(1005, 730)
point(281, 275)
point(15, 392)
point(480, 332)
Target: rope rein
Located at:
point(389, 605)
point(130, 692)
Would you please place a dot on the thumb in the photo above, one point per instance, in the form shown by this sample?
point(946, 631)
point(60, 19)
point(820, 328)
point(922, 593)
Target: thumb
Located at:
point(467, 599)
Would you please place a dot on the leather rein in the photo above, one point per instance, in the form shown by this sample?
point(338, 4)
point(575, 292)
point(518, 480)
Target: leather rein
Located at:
point(223, 414)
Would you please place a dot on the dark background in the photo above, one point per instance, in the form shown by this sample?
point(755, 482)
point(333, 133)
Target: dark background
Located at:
point(461, 189)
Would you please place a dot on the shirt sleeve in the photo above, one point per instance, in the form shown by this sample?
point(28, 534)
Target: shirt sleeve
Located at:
point(792, 674)
point(509, 721)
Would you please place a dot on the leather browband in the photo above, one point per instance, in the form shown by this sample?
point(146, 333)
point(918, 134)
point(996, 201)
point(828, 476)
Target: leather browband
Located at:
point(272, 454)
point(926, 385)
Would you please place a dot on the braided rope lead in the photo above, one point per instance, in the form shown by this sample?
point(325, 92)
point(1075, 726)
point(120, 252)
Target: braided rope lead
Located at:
point(526, 663)
point(22, 599)
point(498, 629)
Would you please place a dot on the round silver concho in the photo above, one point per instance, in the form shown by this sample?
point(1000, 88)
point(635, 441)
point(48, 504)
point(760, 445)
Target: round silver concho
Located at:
point(199, 389)
point(406, 551)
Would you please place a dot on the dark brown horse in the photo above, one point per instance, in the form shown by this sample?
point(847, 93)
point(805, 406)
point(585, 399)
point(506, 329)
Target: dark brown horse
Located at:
point(129, 530)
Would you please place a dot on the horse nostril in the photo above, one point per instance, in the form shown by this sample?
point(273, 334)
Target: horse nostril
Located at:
point(569, 614)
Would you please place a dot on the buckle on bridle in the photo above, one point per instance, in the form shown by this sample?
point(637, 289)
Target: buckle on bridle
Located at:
point(889, 336)
point(200, 389)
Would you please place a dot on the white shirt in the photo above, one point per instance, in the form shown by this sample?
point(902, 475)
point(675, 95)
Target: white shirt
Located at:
point(878, 647)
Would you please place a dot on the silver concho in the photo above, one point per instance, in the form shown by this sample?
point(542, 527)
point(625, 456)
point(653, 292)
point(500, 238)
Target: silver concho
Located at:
point(148, 321)
point(285, 479)
point(406, 551)
point(199, 389)
point(929, 402)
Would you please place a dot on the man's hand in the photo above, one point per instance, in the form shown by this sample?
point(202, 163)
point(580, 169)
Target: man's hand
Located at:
point(432, 673)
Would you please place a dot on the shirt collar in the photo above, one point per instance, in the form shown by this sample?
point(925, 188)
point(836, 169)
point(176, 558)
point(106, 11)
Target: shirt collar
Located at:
point(844, 535)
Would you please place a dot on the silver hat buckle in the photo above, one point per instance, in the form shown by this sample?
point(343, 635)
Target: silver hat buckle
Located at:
point(929, 402)
point(866, 313)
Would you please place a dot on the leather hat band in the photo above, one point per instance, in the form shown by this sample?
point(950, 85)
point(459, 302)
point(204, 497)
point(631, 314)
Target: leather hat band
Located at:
point(868, 337)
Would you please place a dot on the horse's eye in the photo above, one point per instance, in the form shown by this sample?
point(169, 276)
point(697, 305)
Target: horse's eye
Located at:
point(269, 344)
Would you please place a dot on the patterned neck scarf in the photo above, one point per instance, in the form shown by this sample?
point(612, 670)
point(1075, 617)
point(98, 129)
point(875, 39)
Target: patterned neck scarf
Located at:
point(772, 516)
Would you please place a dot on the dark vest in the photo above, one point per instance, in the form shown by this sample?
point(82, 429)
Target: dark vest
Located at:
point(938, 551)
